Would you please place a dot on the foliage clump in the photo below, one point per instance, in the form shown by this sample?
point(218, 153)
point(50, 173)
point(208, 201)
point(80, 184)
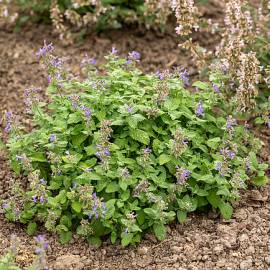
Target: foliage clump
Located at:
point(120, 152)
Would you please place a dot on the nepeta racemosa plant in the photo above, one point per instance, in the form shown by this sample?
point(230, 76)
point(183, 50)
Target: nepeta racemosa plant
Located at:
point(120, 152)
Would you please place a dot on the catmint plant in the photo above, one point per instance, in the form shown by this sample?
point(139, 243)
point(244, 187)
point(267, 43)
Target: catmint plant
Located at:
point(121, 153)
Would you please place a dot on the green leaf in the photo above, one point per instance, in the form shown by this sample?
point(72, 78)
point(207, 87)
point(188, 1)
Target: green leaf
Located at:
point(260, 180)
point(113, 237)
point(95, 241)
point(112, 187)
point(76, 206)
point(31, 228)
point(226, 210)
point(214, 143)
point(78, 139)
point(253, 160)
point(201, 85)
point(65, 237)
point(126, 239)
point(164, 159)
point(181, 216)
point(214, 199)
point(140, 136)
point(160, 231)
point(40, 157)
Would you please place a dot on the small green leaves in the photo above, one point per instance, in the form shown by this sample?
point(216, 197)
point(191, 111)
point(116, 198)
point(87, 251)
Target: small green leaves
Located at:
point(164, 159)
point(126, 239)
point(226, 210)
point(181, 216)
point(160, 231)
point(140, 136)
point(31, 228)
point(127, 158)
point(76, 206)
point(65, 237)
point(95, 241)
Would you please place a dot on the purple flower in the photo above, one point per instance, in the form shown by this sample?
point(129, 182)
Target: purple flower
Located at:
point(268, 123)
point(39, 250)
point(185, 142)
point(114, 51)
point(160, 75)
point(88, 170)
point(147, 150)
point(182, 175)
point(52, 138)
point(230, 122)
point(42, 181)
point(87, 113)
point(184, 77)
point(5, 206)
point(134, 55)
point(8, 127)
point(231, 154)
point(129, 109)
point(128, 62)
point(47, 48)
point(219, 166)
point(216, 88)
point(35, 198)
point(19, 158)
point(94, 196)
point(107, 152)
point(200, 110)
point(88, 61)
point(42, 199)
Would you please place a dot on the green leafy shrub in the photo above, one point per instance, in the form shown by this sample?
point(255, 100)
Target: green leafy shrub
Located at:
point(122, 153)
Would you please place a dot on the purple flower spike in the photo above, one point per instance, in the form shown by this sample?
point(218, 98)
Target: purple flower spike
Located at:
point(200, 110)
point(107, 152)
point(160, 75)
point(47, 48)
point(114, 51)
point(52, 138)
point(35, 199)
point(268, 123)
point(184, 77)
point(216, 88)
point(134, 55)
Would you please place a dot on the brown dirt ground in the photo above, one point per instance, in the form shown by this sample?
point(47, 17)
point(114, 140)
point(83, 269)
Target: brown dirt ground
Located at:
point(204, 242)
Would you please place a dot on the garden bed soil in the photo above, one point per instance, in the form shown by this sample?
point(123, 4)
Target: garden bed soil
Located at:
point(203, 242)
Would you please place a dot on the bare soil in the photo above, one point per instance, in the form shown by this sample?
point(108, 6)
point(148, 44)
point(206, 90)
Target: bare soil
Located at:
point(203, 242)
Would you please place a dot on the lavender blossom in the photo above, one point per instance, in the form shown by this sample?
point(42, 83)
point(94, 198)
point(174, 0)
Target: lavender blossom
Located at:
point(52, 138)
point(107, 152)
point(114, 51)
point(47, 48)
point(88, 61)
point(160, 75)
point(200, 110)
point(216, 88)
point(230, 122)
point(184, 77)
point(8, 122)
point(42, 181)
point(268, 123)
point(134, 56)
point(182, 175)
point(35, 198)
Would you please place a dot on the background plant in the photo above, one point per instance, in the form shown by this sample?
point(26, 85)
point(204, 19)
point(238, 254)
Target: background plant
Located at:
point(7, 262)
point(120, 152)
